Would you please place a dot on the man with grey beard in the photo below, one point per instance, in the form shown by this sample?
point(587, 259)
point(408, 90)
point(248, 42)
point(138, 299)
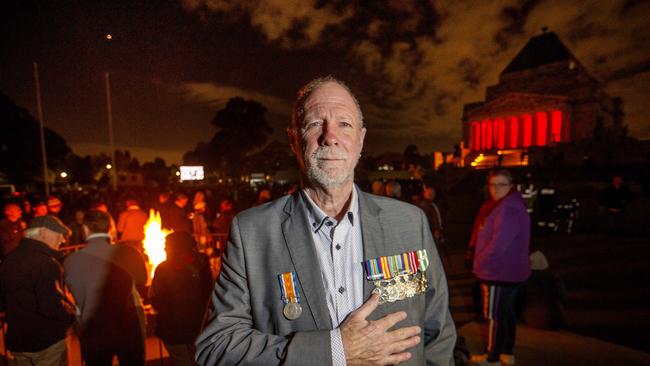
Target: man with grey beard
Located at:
point(330, 275)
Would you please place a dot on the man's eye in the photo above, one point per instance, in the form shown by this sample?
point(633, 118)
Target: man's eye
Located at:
point(310, 125)
point(345, 124)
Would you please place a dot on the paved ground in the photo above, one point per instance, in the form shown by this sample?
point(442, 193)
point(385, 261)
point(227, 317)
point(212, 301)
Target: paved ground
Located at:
point(607, 306)
point(536, 347)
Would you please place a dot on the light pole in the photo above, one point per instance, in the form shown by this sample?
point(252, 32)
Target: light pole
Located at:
point(109, 112)
point(39, 107)
point(111, 138)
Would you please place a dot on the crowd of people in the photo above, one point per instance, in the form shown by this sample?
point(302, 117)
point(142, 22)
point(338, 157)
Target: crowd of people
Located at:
point(100, 287)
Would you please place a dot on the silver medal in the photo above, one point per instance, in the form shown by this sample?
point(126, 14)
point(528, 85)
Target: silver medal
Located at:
point(292, 310)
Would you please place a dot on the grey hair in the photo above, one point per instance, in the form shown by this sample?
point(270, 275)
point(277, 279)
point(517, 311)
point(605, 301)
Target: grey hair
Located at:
point(32, 232)
point(298, 113)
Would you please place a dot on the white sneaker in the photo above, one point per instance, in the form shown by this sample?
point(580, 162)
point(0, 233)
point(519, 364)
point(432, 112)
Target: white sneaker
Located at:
point(506, 359)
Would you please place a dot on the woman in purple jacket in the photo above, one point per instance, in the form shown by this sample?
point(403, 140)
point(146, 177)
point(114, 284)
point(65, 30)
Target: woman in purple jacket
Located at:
point(498, 250)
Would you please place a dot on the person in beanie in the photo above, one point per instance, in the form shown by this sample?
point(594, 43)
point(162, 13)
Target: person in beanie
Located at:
point(498, 253)
point(38, 313)
point(180, 291)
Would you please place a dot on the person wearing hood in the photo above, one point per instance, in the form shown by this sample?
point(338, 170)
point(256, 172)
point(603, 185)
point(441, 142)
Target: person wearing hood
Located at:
point(498, 254)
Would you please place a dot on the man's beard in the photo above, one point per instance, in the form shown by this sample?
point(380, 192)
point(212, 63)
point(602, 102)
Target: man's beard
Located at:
point(330, 178)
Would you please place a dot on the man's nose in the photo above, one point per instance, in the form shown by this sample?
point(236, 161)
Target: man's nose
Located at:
point(329, 134)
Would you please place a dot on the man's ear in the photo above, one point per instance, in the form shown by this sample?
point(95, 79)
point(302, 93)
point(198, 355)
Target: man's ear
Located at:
point(293, 140)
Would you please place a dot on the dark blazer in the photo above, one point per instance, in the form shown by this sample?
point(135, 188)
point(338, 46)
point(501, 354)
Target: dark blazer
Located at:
point(247, 325)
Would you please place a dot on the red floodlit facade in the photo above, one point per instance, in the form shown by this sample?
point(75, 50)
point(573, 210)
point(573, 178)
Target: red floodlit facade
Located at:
point(543, 98)
point(535, 131)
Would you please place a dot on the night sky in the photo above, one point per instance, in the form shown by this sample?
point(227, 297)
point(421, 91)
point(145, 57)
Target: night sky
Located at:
point(173, 64)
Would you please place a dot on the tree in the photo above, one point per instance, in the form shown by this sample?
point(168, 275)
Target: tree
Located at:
point(272, 158)
point(242, 128)
point(156, 171)
point(20, 148)
point(412, 156)
point(126, 162)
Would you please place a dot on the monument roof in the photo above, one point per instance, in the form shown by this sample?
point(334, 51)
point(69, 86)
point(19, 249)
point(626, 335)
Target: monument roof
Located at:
point(540, 50)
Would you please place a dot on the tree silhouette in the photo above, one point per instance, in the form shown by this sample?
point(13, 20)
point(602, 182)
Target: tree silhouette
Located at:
point(242, 128)
point(156, 171)
point(20, 150)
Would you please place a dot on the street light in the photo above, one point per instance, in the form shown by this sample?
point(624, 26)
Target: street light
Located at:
point(108, 166)
point(109, 115)
point(64, 174)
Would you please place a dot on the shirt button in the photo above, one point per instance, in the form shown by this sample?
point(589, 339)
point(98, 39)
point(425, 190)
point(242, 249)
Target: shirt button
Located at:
point(314, 224)
point(341, 290)
point(338, 246)
point(329, 223)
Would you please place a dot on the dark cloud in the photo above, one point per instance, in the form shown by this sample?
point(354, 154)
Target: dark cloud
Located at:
point(421, 62)
point(412, 64)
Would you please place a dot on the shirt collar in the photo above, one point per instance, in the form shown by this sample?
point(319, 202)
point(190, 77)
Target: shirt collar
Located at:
point(98, 235)
point(317, 218)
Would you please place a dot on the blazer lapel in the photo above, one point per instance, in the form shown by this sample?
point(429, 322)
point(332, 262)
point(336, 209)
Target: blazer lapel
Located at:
point(372, 232)
point(305, 260)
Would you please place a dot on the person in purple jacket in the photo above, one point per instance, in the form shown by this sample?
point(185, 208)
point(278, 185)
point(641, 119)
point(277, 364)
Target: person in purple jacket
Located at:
point(498, 251)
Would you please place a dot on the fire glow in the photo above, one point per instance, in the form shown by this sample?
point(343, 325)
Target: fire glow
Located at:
point(154, 241)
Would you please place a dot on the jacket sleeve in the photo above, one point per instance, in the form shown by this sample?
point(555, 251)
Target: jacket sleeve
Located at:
point(157, 290)
point(439, 329)
point(230, 337)
point(121, 222)
point(49, 292)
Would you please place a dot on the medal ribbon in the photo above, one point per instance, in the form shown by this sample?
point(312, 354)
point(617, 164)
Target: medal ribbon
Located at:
point(387, 267)
point(423, 260)
point(288, 287)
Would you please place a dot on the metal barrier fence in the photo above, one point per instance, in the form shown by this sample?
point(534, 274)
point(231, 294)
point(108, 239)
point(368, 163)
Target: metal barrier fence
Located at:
point(216, 241)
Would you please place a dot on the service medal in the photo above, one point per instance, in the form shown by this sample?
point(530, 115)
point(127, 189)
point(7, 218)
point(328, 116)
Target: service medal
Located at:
point(398, 277)
point(292, 310)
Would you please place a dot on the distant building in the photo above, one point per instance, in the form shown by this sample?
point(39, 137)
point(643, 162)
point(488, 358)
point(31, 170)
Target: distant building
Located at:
point(543, 97)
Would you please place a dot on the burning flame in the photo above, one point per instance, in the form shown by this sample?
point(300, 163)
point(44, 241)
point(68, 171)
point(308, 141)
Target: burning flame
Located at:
point(154, 241)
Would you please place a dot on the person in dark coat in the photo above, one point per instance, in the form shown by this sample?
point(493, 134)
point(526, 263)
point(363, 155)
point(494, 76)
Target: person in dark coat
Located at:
point(103, 279)
point(177, 216)
point(180, 292)
point(38, 313)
